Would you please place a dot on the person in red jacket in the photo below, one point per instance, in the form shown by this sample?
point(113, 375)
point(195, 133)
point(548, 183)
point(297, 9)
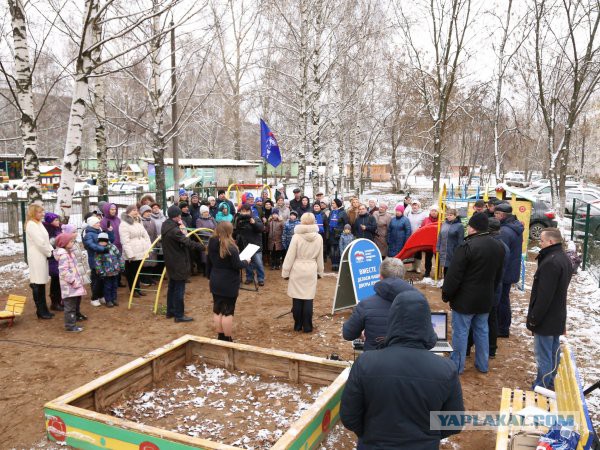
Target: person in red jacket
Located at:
point(433, 216)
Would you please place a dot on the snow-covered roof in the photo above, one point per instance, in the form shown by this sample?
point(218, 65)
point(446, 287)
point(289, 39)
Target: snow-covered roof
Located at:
point(199, 162)
point(518, 192)
point(44, 169)
point(135, 168)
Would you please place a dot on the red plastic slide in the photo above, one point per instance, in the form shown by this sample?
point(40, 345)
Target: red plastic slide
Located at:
point(424, 239)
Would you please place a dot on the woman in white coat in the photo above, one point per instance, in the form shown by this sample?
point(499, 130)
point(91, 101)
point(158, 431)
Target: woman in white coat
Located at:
point(303, 265)
point(135, 242)
point(38, 251)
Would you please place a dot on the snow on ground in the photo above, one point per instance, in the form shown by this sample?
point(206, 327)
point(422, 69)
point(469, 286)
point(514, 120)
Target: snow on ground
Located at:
point(10, 248)
point(12, 275)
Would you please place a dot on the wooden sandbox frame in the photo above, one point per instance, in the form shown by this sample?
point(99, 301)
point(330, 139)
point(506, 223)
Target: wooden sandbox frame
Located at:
point(79, 419)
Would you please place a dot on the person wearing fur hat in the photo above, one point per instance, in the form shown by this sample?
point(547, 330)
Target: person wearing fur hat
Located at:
point(109, 265)
point(71, 281)
point(176, 246)
point(398, 231)
point(38, 251)
point(433, 217)
point(52, 225)
point(136, 243)
point(469, 286)
point(274, 239)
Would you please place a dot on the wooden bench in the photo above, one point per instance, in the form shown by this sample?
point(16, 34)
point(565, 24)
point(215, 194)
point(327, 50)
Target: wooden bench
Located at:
point(569, 398)
point(14, 307)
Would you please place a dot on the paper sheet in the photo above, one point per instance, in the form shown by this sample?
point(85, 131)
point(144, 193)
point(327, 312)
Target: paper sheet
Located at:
point(248, 252)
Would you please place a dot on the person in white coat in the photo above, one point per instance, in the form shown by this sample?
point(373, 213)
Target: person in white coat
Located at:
point(416, 216)
point(38, 251)
point(302, 266)
point(135, 242)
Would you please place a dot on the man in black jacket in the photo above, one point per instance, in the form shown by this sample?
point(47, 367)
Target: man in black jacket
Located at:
point(175, 247)
point(248, 230)
point(547, 314)
point(223, 199)
point(470, 286)
point(371, 314)
point(365, 225)
point(296, 202)
point(391, 392)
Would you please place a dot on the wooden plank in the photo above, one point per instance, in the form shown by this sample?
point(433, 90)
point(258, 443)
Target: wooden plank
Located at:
point(294, 371)
point(188, 352)
point(99, 402)
point(262, 364)
point(505, 403)
point(85, 401)
point(230, 359)
point(114, 390)
point(156, 370)
point(310, 372)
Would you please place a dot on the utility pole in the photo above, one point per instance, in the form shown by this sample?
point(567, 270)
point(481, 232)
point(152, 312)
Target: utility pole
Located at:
point(174, 116)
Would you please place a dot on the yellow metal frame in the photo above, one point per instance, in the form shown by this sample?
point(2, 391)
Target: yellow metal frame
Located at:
point(441, 218)
point(193, 232)
point(239, 192)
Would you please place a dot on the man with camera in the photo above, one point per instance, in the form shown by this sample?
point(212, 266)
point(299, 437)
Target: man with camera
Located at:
point(248, 230)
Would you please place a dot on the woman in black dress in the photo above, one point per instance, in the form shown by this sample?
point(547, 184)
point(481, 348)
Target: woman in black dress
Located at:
point(224, 263)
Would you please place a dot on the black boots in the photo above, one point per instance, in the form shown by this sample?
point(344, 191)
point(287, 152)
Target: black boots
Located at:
point(222, 337)
point(39, 298)
point(302, 311)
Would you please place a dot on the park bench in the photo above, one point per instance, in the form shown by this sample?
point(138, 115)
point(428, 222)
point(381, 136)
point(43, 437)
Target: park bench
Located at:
point(569, 398)
point(14, 307)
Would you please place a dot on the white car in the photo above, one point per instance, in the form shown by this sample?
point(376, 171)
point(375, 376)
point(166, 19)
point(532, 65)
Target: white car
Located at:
point(572, 192)
point(123, 187)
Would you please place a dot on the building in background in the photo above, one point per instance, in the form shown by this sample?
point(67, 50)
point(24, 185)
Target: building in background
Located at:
point(11, 165)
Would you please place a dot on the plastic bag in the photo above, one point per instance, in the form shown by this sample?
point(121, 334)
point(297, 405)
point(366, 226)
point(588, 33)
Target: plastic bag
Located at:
point(559, 438)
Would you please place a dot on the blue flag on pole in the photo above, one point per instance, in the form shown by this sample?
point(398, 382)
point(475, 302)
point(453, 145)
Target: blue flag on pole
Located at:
point(269, 149)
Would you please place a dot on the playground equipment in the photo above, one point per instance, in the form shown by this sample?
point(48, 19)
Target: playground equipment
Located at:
point(422, 240)
point(153, 256)
point(239, 189)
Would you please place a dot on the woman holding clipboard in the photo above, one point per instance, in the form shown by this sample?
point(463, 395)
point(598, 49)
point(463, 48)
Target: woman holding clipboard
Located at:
point(224, 273)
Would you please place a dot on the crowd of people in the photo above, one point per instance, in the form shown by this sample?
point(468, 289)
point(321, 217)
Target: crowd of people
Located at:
point(479, 264)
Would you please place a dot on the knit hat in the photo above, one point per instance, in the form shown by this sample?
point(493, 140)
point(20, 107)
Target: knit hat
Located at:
point(338, 202)
point(68, 228)
point(504, 207)
point(182, 191)
point(103, 237)
point(173, 211)
point(347, 227)
point(91, 221)
point(249, 195)
point(415, 202)
point(479, 221)
point(183, 205)
point(63, 239)
point(130, 208)
point(293, 213)
point(493, 224)
point(145, 208)
point(400, 207)
point(275, 211)
point(194, 194)
point(204, 209)
point(434, 208)
point(279, 186)
point(50, 217)
point(258, 200)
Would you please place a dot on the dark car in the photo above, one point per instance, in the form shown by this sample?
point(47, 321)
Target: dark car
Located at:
point(542, 216)
point(594, 220)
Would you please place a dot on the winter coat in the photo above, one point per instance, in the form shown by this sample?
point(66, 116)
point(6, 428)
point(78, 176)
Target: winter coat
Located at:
point(194, 211)
point(322, 223)
point(52, 233)
point(452, 234)
point(371, 227)
point(150, 228)
point(212, 211)
point(209, 223)
point(303, 262)
point(429, 220)
point(158, 220)
point(229, 204)
point(114, 221)
point(82, 263)
point(224, 272)
point(416, 219)
point(227, 217)
point(511, 232)
point(275, 234)
point(279, 193)
point(505, 262)
point(90, 243)
point(109, 263)
point(476, 270)
point(390, 392)
point(371, 314)
point(71, 281)
point(134, 238)
point(295, 205)
point(248, 233)
point(398, 233)
point(288, 232)
point(284, 213)
point(334, 230)
point(176, 246)
point(383, 221)
point(351, 214)
point(38, 251)
point(345, 241)
point(187, 220)
point(547, 314)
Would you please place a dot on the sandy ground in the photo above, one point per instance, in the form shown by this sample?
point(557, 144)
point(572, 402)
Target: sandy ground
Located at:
point(39, 361)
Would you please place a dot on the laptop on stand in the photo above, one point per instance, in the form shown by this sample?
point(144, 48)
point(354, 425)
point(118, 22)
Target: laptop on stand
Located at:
point(439, 320)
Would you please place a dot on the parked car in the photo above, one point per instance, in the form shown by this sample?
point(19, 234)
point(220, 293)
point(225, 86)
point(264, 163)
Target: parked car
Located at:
point(516, 178)
point(594, 220)
point(122, 187)
point(572, 192)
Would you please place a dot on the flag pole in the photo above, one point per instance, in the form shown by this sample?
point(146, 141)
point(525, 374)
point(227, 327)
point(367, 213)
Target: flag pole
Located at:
point(264, 171)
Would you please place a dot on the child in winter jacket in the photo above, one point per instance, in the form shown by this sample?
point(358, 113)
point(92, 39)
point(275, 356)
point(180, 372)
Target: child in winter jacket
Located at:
point(275, 239)
point(109, 266)
point(346, 238)
point(288, 229)
point(71, 281)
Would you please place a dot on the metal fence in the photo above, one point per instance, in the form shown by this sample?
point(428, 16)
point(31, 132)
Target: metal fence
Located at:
point(585, 231)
